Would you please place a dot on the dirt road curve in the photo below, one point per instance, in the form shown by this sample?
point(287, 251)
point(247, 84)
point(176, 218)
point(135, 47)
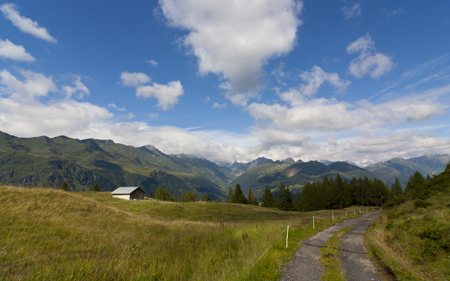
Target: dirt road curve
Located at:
point(306, 264)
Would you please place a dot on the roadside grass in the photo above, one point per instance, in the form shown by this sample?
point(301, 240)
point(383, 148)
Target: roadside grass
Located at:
point(47, 234)
point(329, 259)
point(413, 242)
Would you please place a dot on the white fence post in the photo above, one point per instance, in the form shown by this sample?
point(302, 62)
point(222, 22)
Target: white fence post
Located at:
point(332, 215)
point(360, 211)
point(354, 213)
point(345, 213)
point(287, 236)
point(313, 222)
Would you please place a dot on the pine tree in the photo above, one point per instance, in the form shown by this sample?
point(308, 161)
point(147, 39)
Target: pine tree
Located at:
point(194, 197)
point(166, 195)
point(206, 197)
point(252, 198)
point(238, 196)
point(159, 193)
point(174, 197)
point(95, 187)
point(396, 188)
point(297, 202)
point(183, 197)
point(284, 201)
point(268, 200)
point(218, 200)
point(230, 195)
point(64, 186)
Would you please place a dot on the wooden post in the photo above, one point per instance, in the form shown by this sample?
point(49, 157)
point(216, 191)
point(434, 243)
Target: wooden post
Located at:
point(313, 222)
point(345, 213)
point(287, 236)
point(332, 215)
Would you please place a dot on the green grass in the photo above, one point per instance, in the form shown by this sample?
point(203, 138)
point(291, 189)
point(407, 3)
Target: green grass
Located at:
point(413, 242)
point(329, 259)
point(48, 234)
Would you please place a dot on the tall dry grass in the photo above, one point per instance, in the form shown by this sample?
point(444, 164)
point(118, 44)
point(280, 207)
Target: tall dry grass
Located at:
point(48, 234)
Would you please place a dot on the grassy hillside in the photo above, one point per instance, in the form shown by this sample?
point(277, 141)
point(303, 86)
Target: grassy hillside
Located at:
point(51, 161)
point(412, 239)
point(48, 234)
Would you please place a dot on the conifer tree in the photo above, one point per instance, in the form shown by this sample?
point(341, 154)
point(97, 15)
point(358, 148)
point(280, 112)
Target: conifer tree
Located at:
point(159, 193)
point(252, 198)
point(268, 200)
point(194, 197)
point(284, 201)
point(218, 200)
point(174, 197)
point(183, 197)
point(396, 188)
point(64, 186)
point(297, 202)
point(238, 196)
point(206, 197)
point(166, 195)
point(95, 187)
point(230, 195)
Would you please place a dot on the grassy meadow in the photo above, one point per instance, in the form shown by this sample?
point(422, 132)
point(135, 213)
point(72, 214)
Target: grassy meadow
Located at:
point(48, 234)
point(413, 239)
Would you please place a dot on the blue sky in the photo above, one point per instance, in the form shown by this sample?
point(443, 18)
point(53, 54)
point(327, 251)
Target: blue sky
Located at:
point(363, 81)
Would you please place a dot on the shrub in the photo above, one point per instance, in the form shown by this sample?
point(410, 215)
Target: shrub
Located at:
point(419, 203)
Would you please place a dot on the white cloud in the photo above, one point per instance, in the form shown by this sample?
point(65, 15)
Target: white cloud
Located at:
point(113, 105)
point(314, 79)
point(352, 12)
point(79, 88)
point(25, 24)
point(152, 115)
point(134, 79)
point(35, 84)
point(234, 39)
point(219, 105)
point(331, 115)
point(396, 12)
point(9, 50)
point(152, 63)
point(369, 61)
point(167, 95)
point(56, 118)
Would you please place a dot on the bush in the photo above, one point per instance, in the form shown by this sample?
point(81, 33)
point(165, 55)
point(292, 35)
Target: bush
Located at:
point(419, 203)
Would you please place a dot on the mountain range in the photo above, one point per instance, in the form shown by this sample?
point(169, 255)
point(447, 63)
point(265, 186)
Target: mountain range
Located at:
point(80, 163)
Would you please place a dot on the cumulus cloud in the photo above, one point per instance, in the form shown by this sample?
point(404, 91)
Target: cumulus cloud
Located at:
point(369, 61)
point(314, 79)
point(35, 85)
point(152, 115)
point(134, 79)
point(25, 24)
point(113, 105)
point(219, 105)
point(234, 39)
point(352, 12)
point(152, 63)
point(167, 95)
point(79, 88)
point(9, 50)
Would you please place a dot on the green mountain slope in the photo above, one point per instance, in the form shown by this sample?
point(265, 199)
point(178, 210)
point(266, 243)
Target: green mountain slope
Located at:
point(51, 161)
point(402, 168)
point(295, 175)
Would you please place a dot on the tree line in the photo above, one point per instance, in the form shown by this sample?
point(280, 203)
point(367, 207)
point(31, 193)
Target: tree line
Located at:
point(190, 196)
point(329, 193)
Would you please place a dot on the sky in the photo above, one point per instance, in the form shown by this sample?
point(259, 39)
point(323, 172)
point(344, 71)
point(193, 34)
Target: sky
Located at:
point(231, 80)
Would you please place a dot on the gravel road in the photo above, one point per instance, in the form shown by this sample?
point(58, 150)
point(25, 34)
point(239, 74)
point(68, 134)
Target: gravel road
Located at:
point(306, 264)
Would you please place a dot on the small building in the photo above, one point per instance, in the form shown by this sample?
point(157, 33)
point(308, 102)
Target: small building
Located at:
point(129, 193)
